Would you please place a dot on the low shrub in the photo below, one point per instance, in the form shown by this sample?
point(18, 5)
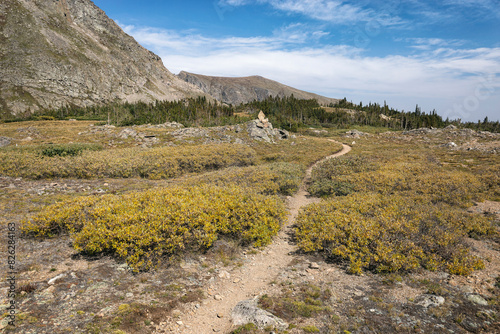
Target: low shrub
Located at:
point(327, 178)
point(304, 300)
point(303, 151)
point(142, 227)
point(392, 233)
point(71, 150)
point(155, 163)
point(346, 175)
point(271, 179)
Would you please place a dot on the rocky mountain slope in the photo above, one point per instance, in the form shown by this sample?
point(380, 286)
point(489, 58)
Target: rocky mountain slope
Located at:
point(59, 52)
point(246, 89)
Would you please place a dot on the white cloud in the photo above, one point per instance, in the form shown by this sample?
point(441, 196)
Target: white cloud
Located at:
point(332, 11)
point(434, 43)
point(441, 78)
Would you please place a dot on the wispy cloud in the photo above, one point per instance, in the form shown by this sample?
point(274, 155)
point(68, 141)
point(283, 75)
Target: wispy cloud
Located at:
point(332, 11)
point(327, 69)
point(424, 44)
point(439, 73)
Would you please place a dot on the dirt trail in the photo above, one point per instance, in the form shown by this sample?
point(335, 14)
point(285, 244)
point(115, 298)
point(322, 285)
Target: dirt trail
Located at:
point(253, 278)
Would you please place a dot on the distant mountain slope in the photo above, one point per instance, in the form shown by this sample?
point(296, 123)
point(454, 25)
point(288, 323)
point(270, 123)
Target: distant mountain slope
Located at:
point(58, 52)
point(246, 89)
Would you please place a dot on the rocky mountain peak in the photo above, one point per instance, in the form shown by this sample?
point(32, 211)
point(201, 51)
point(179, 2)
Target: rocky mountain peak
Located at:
point(237, 90)
point(68, 52)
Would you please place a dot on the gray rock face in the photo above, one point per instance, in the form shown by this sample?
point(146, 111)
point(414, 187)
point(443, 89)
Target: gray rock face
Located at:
point(247, 311)
point(246, 89)
point(62, 52)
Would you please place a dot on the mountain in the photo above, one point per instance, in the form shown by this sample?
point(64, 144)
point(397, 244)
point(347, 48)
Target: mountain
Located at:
point(68, 52)
point(246, 89)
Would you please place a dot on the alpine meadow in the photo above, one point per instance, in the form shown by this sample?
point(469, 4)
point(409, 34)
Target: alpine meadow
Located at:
point(134, 200)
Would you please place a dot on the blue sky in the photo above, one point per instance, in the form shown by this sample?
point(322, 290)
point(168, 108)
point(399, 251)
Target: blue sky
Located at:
point(442, 55)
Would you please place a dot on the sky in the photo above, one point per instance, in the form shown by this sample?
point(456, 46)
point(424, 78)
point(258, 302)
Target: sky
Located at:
point(442, 55)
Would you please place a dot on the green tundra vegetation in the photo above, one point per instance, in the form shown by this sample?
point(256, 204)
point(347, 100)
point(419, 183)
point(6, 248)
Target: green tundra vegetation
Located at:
point(389, 206)
point(155, 163)
point(399, 207)
point(230, 191)
point(141, 227)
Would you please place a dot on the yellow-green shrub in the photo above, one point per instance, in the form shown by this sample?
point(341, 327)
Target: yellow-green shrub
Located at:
point(391, 233)
point(143, 226)
point(410, 177)
point(155, 163)
point(304, 151)
point(327, 177)
point(270, 179)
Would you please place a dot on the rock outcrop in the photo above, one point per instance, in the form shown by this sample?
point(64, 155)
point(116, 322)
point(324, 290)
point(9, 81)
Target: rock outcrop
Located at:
point(355, 134)
point(68, 52)
point(247, 89)
point(262, 129)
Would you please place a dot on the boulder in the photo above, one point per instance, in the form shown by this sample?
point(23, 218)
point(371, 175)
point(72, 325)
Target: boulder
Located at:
point(258, 132)
point(281, 134)
point(127, 132)
point(450, 145)
point(477, 299)
point(4, 141)
point(429, 300)
point(355, 134)
point(247, 311)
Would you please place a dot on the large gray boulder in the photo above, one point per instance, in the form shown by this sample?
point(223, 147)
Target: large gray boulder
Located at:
point(248, 311)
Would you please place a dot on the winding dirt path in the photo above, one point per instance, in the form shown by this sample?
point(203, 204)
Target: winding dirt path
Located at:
point(253, 278)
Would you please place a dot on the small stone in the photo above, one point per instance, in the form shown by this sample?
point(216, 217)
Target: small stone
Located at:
point(224, 274)
point(236, 280)
point(176, 313)
point(53, 280)
point(180, 323)
point(477, 299)
point(220, 315)
point(129, 295)
point(218, 297)
point(314, 265)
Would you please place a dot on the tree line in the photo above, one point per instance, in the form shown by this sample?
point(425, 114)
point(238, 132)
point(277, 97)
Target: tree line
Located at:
point(285, 112)
point(190, 112)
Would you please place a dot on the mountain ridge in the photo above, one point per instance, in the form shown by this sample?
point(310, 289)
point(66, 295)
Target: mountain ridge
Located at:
point(69, 52)
point(57, 53)
point(237, 90)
